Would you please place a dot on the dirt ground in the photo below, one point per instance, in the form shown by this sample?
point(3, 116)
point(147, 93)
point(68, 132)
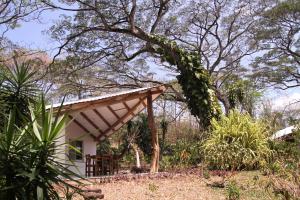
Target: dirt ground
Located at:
point(251, 184)
point(180, 188)
point(184, 187)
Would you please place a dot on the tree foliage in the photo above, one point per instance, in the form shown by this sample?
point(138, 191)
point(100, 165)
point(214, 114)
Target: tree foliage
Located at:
point(14, 11)
point(194, 80)
point(242, 94)
point(143, 135)
point(278, 34)
point(135, 30)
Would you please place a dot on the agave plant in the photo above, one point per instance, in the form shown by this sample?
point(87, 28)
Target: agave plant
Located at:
point(18, 88)
point(29, 167)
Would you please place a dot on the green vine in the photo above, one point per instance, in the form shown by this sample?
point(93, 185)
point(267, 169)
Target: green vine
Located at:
point(193, 78)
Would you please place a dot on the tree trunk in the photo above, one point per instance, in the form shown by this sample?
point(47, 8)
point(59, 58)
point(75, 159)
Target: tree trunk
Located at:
point(154, 137)
point(164, 131)
point(224, 100)
point(137, 156)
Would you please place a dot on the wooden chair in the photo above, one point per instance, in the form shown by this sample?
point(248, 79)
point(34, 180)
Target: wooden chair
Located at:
point(106, 165)
point(89, 166)
point(97, 165)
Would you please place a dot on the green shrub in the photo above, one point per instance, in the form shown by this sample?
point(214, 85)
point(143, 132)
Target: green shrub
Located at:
point(236, 142)
point(183, 153)
point(285, 183)
point(233, 191)
point(165, 163)
point(153, 187)
point(143, 138)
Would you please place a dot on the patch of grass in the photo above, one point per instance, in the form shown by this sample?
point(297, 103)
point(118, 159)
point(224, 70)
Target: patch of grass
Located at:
point(253, 185)
point(233, 191)
point(153, 187)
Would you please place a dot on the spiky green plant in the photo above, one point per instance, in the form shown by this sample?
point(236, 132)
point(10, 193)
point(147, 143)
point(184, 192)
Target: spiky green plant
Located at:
point(29, 167)
point(236, 142)
point(18, 88)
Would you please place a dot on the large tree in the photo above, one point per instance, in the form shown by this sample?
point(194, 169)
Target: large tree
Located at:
point(278, 32)
point(214, 34)
point(203, 42)
point(220, 32)
point(108, 29)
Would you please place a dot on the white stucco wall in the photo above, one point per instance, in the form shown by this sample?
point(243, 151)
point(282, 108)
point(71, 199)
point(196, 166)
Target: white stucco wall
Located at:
point(73, 132)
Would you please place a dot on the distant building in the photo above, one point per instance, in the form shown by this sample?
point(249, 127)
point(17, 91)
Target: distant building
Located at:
point(284, 134)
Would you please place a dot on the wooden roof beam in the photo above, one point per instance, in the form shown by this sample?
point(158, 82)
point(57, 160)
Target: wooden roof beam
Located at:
point(101, 117)
point(130, 112)
point(128, 108)
point(113, 112)
point(91, 122)
point(105, 102)
point(81, 126)
point(143, 102)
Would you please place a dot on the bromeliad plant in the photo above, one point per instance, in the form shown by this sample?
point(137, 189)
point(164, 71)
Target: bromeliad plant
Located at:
point(236, 142)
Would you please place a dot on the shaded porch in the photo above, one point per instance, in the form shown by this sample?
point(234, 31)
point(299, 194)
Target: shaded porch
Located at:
point(94, 119)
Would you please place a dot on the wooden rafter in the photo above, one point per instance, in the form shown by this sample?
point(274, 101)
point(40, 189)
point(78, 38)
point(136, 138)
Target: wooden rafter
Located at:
point(91, 122)
point(101, 117)
point(113, 112)
point(128, 108)
point(81, 126)
point(112, 127)
point(143, 102)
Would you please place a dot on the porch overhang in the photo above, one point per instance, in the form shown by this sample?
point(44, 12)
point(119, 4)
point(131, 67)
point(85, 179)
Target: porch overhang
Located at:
point(103, 115)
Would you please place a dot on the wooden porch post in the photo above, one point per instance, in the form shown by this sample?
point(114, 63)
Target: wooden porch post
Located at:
point(154, 136)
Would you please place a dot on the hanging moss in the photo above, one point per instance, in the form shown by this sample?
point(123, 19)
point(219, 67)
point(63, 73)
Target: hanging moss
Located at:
point(193, 78)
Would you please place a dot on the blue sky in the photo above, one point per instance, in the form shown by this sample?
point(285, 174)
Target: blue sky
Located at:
point(33, 35)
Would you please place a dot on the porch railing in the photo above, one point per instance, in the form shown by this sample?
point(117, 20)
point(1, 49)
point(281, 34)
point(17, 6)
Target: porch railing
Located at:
point(96, 165)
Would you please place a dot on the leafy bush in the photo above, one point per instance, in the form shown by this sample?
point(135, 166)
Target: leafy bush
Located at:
point(285, 182)
point(236, 142)
point(143, 138)
point(182, 153)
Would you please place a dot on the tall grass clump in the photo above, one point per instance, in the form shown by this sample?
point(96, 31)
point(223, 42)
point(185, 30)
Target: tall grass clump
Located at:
point(237, 141)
